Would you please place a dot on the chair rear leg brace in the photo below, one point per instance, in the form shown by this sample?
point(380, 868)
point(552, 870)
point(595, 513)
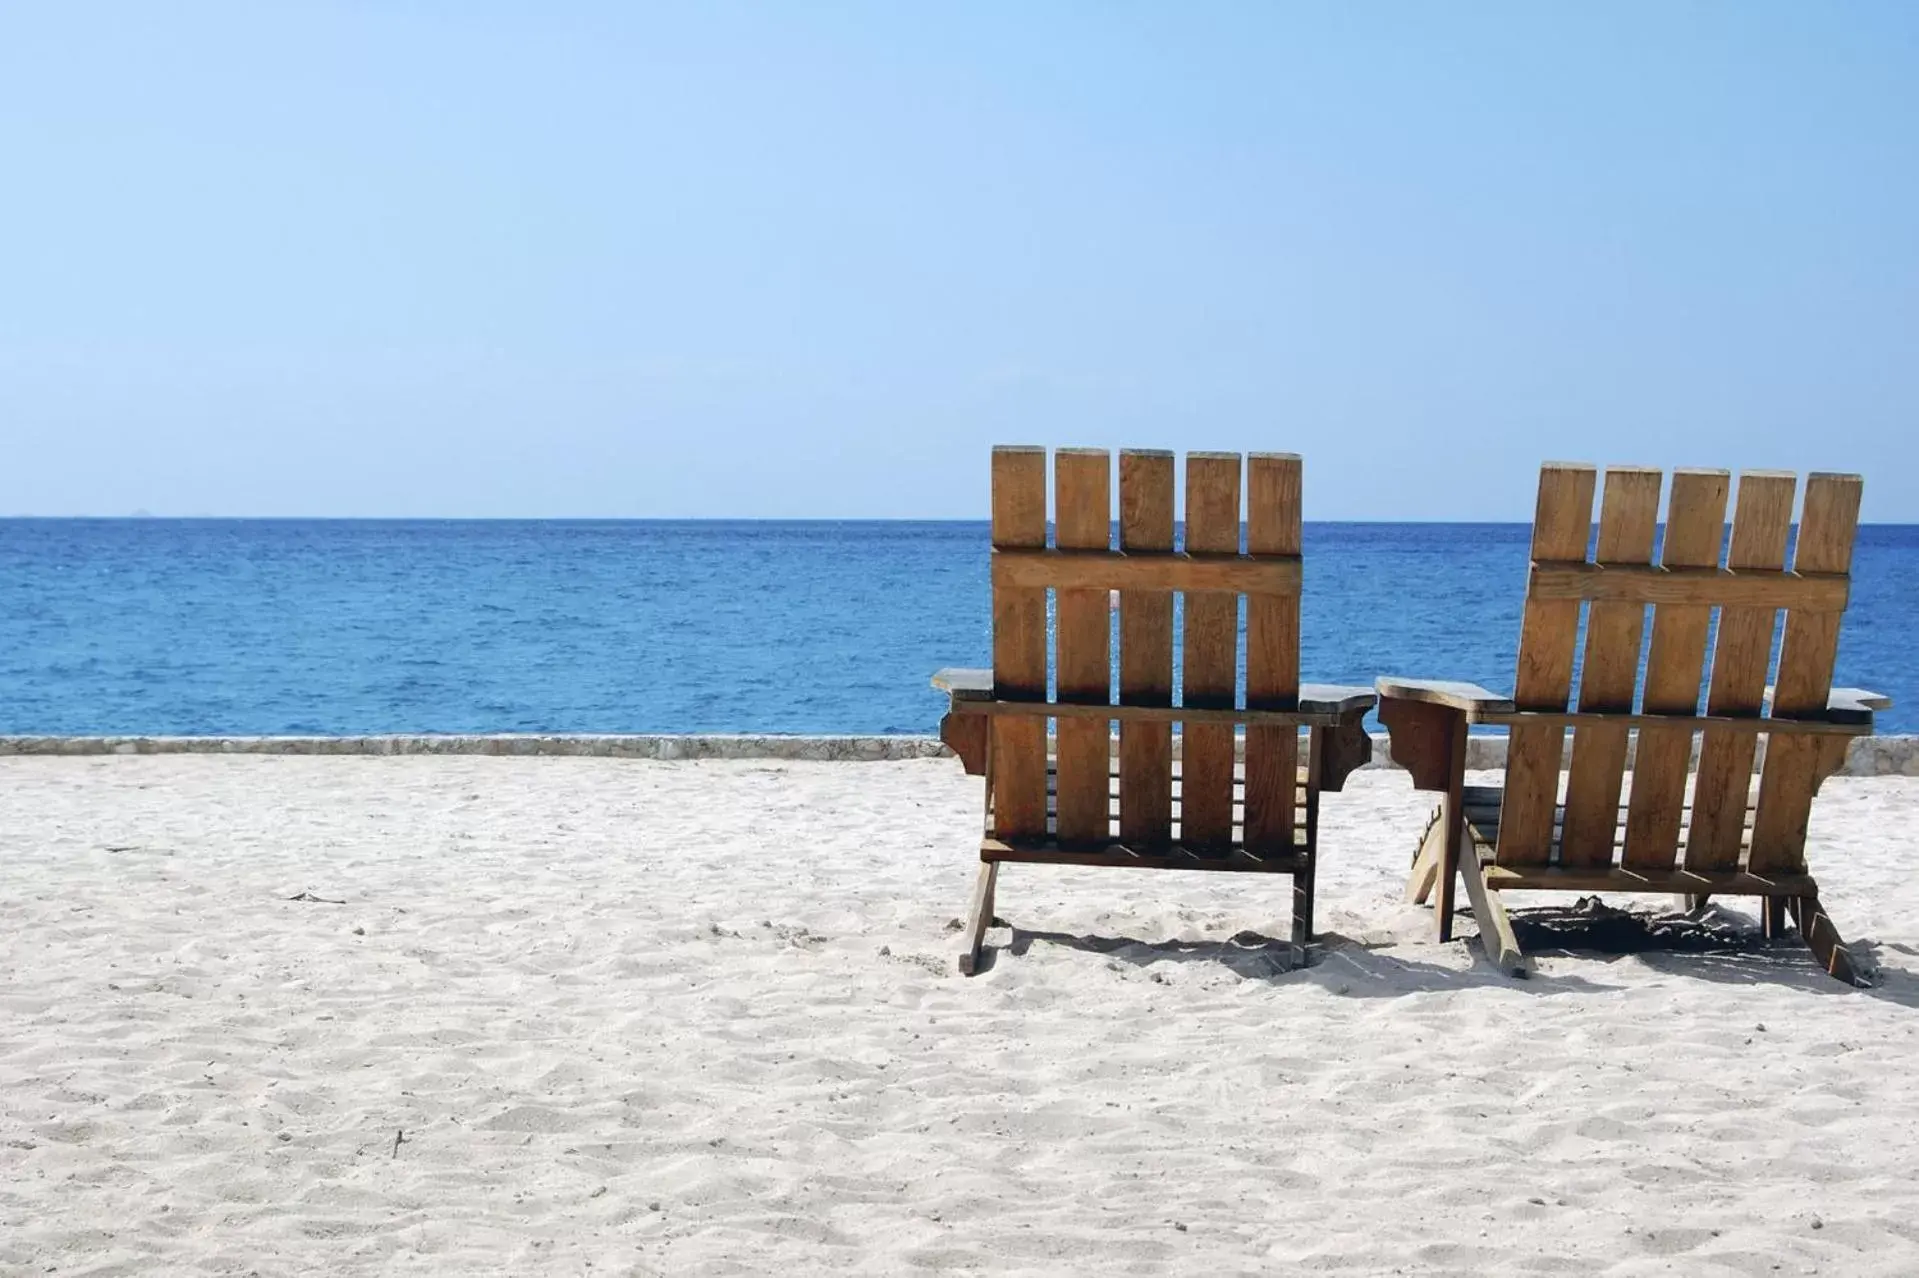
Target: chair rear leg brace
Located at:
point(1823, 939)
point(1419, 884)
point(982, 917)
point(1495, 929)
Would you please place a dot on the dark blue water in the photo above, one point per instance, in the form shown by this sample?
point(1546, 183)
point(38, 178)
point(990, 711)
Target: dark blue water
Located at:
point(243, 626)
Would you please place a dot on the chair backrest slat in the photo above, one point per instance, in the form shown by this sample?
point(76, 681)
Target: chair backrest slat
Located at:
point(1675, 663)
point(1145, 651)
point(1722, 786)
point(1017, 757)
point(1562, 526)
point(1211, 651)
point(1806, 656)
point(1082, 520)
point(1628, 519)
point(1826, 535)
point(1273, 487)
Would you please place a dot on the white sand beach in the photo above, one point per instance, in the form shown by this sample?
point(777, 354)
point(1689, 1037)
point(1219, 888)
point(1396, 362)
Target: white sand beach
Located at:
point(284, 1015)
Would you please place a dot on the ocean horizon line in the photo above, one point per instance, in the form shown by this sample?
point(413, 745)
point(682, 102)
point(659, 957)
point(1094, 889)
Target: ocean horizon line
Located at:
point(734, 520)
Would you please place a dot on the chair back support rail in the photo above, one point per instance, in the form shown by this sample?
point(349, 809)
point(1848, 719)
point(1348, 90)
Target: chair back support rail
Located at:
point(1213, 572)
point(1754, 595)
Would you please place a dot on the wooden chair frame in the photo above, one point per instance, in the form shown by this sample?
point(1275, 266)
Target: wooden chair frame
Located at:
point(1235, 803)
point(1606, 836)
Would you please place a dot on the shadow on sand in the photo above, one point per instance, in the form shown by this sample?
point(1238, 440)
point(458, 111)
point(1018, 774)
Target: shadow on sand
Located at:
point(1710, 943)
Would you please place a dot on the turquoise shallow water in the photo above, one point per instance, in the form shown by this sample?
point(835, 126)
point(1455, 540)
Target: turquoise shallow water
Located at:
point(291, 626)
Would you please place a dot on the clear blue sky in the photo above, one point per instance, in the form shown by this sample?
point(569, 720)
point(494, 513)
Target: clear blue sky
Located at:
point(793, 260)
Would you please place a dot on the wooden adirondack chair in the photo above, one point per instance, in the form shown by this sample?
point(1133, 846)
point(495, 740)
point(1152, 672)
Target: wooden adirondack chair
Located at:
point(1724, 836)
point(1083, 807)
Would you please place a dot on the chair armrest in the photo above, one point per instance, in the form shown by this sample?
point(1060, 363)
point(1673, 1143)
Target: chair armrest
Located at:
point(1334, 698)
point(1343, 745)
point(965, 685)
point(965, 734)
point(1850, 702)
point(1469, 697)
point(1314, 698)
point(1847, 705)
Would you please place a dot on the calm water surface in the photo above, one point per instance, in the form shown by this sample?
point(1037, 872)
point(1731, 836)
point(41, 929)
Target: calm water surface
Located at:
point(287, 626)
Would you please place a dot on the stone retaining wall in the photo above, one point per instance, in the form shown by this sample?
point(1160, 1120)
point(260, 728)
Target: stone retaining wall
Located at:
point(1865, 756)
point(598, 746)
point(1868, 756)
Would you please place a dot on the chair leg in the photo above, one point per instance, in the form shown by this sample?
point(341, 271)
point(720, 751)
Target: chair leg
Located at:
point(1304, 879)
point(982, 917)
point(1772, 917)
point(1823, 939)
point(1429, 741)
point(1303, 914)
point(1454, 847)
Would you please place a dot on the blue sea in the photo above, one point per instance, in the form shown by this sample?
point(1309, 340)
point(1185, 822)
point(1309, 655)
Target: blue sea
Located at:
point(157, 626)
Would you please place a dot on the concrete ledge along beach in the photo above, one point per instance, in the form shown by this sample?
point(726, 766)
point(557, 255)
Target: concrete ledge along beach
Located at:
point(1896, 755)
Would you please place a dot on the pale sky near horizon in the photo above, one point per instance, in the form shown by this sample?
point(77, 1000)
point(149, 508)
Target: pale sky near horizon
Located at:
point(604, 259)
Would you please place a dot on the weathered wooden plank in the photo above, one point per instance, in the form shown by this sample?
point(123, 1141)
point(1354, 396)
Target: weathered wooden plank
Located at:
point(1859, 701)
point(979, 918)
point(966, 736)
point(1424, 736)
point(1145, 652)
point(1468, 697)
point(1723, 783)
point(1432, 847)
point(1145, 714)
point(1337, 752)
point(1136, 570)
point(1273, 484)
point(963, 683)
point(1483, 823)
point(1327, 751)
point(1319, 702)
point(1148, 856)
point(1344, 699)
point(1496, 935)
point(1827, 531)
point(1455, 845)
point(1790, 775)
point(1016, 764)
point(1562, 524)
point(1552, 878)
point(1646, 584)
point(1211, 653)
point(1843, 724)
point(1675, 661)
point(1823, 939)
point(1301, 776)
point(1628, 517)
point(1083, 671)
point(1481, 804)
